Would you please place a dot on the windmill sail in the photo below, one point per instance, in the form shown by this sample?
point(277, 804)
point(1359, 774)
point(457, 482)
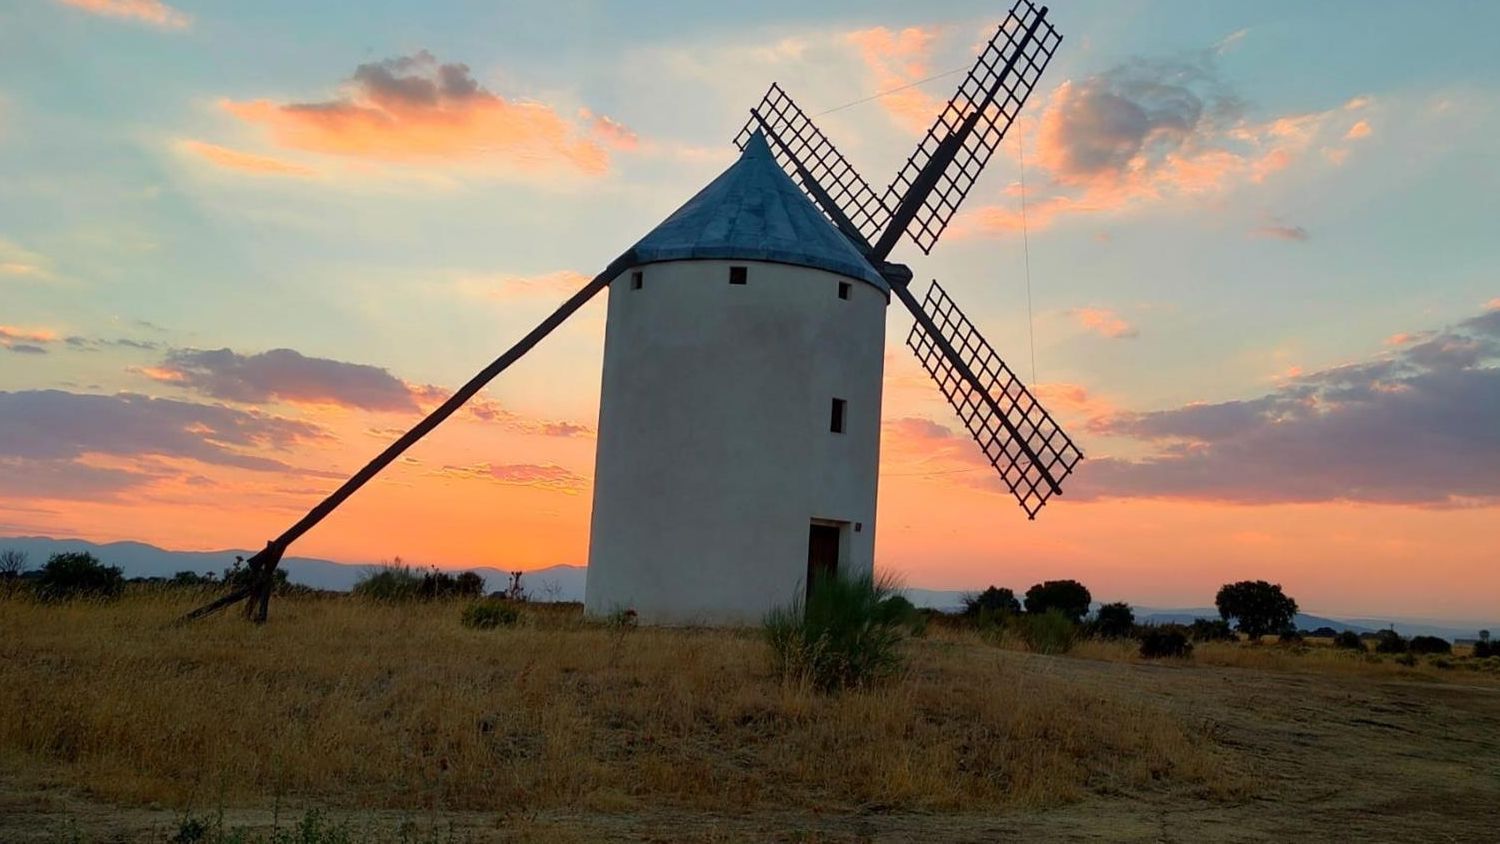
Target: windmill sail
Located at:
point(975, 120)
point(817, 166)
point(1017, 435)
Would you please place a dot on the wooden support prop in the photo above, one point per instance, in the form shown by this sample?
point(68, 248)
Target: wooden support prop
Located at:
point(264, 562)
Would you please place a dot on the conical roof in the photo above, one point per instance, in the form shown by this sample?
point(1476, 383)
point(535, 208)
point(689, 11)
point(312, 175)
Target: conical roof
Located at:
point(754, 212)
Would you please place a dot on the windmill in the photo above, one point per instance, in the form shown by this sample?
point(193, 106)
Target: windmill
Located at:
point(744, 349)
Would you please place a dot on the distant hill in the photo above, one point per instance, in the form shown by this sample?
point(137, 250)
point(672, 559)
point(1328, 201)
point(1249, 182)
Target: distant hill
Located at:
point(565, 583)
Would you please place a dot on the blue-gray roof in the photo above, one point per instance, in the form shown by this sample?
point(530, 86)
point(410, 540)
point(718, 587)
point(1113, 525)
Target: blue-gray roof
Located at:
point(754, 212)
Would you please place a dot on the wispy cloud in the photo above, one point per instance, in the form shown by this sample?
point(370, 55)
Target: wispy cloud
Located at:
point(283, 375)
point(1280, 232)
point(1104, 322)
point(243, 161)
point(153, 12)
point(895, 59)
point(548, 477)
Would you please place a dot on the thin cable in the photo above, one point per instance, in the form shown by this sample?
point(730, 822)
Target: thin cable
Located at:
point(1026, 248)
point(891, 91)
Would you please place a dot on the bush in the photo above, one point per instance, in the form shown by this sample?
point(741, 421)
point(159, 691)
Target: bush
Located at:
point(1483, 649)
point(1211, 630)
point(1429, 645)
point(1113, 621)
point(396, 582)
point(1289, 636)
point(78, 574)
point(992, 601)
point(898, 609)
point(1349, 640)
point(842, 636)
point(487, 615)
point(1068, 597)
point(1051, 632)
point(1389, 642)
point(1165, 642)
point(12, 564)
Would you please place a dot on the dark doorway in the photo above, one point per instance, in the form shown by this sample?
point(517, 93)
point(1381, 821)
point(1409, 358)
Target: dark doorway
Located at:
point(822, 554)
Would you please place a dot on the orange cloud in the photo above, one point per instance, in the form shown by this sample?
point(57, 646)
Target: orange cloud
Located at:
point(11, 333)
point(153, 12)
point(1148, 132)
point(1104, 322)
point(411, 110)
point(507, 287)
point(247, 162)
point(548, 477)
point(896, 59)
point(1357, 131)
point(610, 131)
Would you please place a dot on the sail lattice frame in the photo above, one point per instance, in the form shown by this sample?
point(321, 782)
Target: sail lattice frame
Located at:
point(804, 140)
point(1032, 481)
point(995, 118)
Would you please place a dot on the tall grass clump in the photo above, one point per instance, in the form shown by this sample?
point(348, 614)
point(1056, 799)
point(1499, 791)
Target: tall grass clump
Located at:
point(1050, 632)
point(393, 583)
point(487, 615)
point(846, 634)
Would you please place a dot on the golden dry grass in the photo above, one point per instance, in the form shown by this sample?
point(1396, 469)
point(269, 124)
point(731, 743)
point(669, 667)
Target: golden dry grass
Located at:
point(354, 705)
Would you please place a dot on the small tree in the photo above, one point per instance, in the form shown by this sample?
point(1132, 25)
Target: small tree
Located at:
point(1068, 597)
point(1165, 642)
point(1390, 642)
point(12, 564)
point(991, 600)
point(78, 574)
point(1429, 645)
point(1114, 621)
point(1257, 607)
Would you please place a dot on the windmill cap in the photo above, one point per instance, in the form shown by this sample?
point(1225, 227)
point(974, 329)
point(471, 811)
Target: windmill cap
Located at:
point(754, 212)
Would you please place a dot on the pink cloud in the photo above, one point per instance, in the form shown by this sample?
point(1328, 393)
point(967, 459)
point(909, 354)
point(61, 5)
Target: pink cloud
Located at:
point(244, 161)
point(895, 59)
point(153, 12)
point(1357, 131)
point(1104, 322)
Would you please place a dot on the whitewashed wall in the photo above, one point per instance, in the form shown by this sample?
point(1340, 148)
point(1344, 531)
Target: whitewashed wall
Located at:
point(714, 450)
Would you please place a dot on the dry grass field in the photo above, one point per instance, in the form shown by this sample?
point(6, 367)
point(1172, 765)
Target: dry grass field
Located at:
point(399, 723)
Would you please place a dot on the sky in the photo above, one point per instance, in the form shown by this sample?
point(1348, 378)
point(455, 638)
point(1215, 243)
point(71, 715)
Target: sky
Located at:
point(245, 245)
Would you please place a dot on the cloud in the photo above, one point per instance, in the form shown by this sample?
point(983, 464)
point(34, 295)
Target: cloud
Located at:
point(244, 161)
point(18, 263)
point(1357, 131)
point(416, 110)
point(25, 348)
point(1105, 323)
point(549, 477)
point(1281, 232)
point(58, 424)
point(897, 59)
point(1414, 424)
point(610, 132)
point(26, 341)
point(1150, 131)
point(153, 12)
point(505, 287)
point(284, 375)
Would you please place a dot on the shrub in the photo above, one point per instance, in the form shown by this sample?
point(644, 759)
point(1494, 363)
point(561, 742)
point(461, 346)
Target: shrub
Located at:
point(487, 615)
point(391, 583)
point(1050, 632)
point(1324, 632)
point(1429, 645)
point(898, 609)
point(1407, 660)
point(1289, 636)
point(12, 564)
point(78, 574)
point(993, 601)
point(1483, 649)
point(1068, 597)
point(1165, 642)
point(1349, 640)
point(1211, 630)
point(841, 636)
point(1114, 621)
point(1389, 642)
point(1256, 606)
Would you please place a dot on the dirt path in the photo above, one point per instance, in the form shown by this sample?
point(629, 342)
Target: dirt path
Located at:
point(1331, 758)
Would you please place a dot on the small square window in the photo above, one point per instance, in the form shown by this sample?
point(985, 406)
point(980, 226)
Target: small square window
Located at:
point(836, 421)
point(739, 275)
point(637, 280)
point(843, 290)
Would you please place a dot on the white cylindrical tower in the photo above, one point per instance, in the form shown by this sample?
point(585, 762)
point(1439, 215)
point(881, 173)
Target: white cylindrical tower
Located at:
point(739, 427)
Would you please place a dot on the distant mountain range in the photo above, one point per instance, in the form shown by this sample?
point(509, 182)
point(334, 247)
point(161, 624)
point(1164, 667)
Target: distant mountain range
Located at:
point(565, 583)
